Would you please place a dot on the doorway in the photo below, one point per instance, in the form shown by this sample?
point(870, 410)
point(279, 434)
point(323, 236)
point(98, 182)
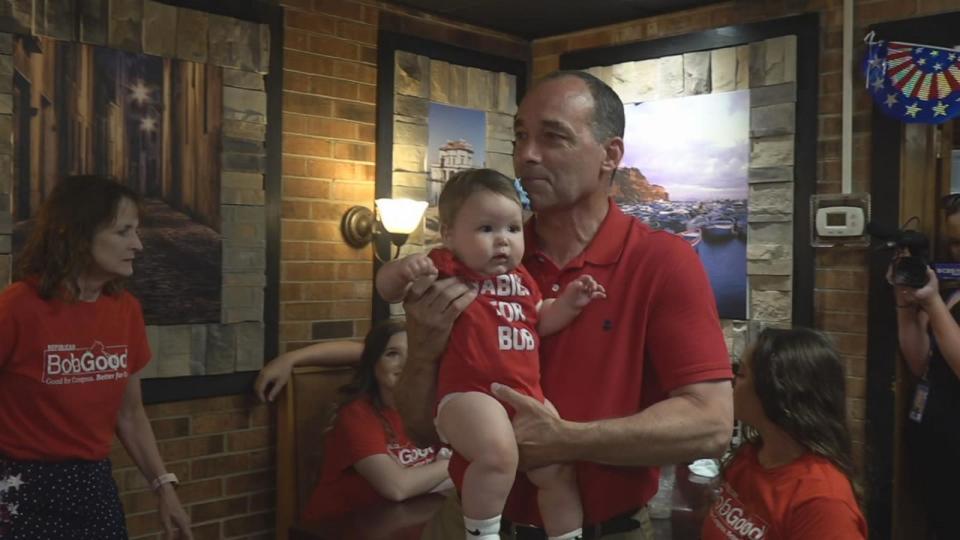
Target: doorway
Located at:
point(911, 168)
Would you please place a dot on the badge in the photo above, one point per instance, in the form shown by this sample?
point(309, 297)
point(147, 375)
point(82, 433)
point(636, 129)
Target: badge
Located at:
point(919, 401)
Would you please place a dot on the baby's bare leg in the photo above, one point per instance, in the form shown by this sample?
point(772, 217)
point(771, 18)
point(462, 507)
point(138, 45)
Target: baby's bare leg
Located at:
point(478, 427)
point(558, 498)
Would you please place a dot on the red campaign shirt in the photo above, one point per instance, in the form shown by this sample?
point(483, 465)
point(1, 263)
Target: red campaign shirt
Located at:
point(358, 432)
point(64, 368)
point(495, 339)
point(656, 331)
point(808, 498)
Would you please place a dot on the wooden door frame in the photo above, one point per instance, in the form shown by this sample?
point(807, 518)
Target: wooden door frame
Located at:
point(883, 382)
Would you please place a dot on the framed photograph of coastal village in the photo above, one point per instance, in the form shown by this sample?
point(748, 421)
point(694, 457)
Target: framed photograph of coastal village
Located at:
point(720, 149)
point(693, 182)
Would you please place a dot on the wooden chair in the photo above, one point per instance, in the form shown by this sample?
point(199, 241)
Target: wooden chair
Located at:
point(303, 411)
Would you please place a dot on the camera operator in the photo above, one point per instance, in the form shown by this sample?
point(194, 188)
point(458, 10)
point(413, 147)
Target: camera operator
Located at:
point(929, 335)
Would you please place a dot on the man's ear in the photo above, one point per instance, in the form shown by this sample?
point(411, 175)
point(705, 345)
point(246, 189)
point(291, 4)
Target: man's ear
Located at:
point(613, 154)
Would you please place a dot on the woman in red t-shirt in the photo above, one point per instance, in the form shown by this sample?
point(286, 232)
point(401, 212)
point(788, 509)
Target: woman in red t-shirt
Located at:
point(72, 342)
point(368, 457)
point(793, 477)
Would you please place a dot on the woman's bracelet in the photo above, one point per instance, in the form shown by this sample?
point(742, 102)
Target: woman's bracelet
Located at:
point(166, 478)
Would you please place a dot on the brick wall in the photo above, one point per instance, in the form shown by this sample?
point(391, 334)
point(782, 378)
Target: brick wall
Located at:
point(840, 302)
point(328, 165)
point(223, 448)
point(329, 134)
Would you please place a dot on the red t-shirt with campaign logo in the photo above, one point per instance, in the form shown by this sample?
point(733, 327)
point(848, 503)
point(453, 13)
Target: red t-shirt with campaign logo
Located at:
point(64, 368)
point(807, 498)
point(495, 339)
point(357, 433)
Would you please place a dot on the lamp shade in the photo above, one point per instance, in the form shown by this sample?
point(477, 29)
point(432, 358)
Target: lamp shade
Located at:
point(400, 216)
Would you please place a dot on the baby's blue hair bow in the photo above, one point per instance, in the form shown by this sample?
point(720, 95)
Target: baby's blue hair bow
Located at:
point(524, 199)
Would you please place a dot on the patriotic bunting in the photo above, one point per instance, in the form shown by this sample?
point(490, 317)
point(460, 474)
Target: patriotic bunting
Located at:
point(913, 83)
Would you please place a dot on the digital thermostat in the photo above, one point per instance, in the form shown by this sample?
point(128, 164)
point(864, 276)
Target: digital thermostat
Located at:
point(840, 221)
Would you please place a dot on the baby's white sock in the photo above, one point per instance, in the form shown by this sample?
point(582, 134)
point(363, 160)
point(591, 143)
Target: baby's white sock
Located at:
point(482, 529)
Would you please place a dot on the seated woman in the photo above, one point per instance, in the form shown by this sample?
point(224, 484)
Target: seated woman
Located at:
point(368, 457)
point(792, 478)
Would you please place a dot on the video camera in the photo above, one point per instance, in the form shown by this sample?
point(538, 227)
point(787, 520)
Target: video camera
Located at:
point(908, 270)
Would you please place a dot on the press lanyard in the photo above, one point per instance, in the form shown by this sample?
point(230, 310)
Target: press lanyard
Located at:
point(920, 397)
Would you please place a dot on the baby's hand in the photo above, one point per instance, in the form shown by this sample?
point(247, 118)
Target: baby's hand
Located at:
point(584, 289)
point(416, 266)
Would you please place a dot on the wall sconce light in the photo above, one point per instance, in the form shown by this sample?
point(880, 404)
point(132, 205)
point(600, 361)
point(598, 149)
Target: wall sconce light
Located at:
point(396, 218)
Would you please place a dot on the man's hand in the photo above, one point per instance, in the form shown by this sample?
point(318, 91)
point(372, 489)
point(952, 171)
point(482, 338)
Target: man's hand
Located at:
point(539, 430)
point(431, 309)
point(436, 304)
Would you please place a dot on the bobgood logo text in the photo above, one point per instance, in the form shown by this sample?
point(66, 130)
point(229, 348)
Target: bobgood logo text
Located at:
point(66, 365)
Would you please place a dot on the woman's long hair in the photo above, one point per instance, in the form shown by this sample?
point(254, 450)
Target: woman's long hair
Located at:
point(364, 382)
point(800, 382)
point(58, 250)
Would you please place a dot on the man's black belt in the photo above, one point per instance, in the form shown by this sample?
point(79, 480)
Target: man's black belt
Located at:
point(622, 523)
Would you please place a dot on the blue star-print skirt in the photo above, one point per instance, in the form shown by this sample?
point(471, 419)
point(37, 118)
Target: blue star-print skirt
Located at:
point(70, 500)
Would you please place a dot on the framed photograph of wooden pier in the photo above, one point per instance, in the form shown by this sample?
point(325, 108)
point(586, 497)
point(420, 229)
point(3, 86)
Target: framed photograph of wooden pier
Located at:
point(150, 122)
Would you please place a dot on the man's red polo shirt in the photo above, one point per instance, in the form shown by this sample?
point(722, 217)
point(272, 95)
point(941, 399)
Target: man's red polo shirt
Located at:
point(656, 331)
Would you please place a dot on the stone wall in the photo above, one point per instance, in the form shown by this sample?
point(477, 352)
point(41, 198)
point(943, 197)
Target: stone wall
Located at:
point(241, 49)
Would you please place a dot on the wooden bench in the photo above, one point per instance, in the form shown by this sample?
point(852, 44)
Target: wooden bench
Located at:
point(303, 412)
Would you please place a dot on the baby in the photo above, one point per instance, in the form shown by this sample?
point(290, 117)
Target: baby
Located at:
point(494, 340)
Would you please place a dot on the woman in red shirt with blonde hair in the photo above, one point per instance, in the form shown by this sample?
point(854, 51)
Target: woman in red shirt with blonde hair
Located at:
point(792, 479)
